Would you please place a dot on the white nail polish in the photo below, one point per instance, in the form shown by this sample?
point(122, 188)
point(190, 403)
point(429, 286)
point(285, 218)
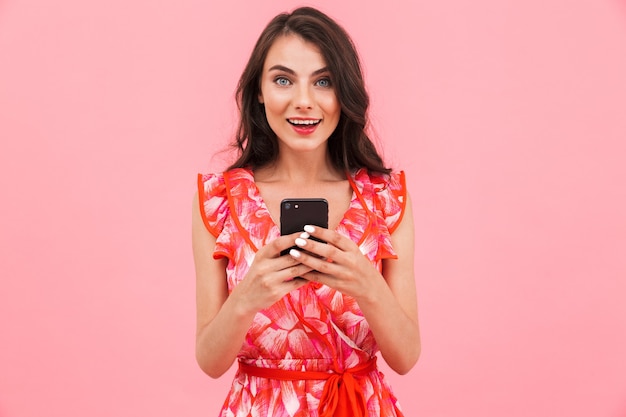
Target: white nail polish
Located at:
point(294, 253)
point(309, 228)
point(300, 242)
point(305, 235)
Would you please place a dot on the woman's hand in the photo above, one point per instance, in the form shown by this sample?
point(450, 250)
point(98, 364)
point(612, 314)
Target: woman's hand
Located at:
point(338, 263)
point(270, 276)
point(222, 319)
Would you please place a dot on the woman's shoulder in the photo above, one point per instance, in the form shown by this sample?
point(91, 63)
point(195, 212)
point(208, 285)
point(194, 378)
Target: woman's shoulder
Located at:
point(216, 183)
point(380, 181)
point(388, 192)
point(213, 195)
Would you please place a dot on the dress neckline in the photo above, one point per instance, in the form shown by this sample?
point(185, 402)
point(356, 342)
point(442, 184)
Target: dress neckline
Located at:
point(275, 225)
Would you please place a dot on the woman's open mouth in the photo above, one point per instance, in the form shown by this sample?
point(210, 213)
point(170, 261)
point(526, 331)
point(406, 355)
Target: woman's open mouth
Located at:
point(304, 126)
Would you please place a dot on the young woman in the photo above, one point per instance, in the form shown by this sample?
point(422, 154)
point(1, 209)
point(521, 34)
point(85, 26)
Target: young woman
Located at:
point(306, 346)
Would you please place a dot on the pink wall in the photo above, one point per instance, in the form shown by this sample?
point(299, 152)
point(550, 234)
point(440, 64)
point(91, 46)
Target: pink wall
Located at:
point(509, 118)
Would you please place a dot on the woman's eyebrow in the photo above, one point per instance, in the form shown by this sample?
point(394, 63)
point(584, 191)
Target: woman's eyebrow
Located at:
point(290, 71)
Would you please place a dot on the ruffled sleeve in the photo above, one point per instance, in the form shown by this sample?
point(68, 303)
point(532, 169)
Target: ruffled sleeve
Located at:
point(391, 197)
point(384, 198)
point(213, 200)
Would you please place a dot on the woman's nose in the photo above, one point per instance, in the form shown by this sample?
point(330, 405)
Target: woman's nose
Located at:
point(303, 97)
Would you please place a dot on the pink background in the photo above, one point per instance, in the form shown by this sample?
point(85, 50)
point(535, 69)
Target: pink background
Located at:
point(508, 116)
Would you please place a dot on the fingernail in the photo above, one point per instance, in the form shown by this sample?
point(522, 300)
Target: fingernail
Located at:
point(294, 253)
point(305, 235)
point(309, 228)
point(300, 242)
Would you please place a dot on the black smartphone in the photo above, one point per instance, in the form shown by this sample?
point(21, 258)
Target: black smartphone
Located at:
point(295, 213)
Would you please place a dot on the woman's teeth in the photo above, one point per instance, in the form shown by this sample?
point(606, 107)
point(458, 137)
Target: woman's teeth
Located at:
point(303, 122)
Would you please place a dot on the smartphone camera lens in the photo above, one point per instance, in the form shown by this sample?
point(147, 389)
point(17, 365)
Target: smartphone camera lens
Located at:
point(287, 206)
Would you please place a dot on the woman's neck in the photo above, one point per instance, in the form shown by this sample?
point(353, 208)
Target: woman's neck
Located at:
point(299, 170)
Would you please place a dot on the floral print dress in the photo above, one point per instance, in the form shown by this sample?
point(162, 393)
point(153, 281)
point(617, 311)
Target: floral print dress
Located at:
point(314, 328)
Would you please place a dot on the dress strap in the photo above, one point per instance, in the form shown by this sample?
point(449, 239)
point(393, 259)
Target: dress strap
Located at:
point(342, 395)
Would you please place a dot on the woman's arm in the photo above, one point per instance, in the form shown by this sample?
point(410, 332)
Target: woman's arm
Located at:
point(388, 300)
point(222, 321)
point(391, 310)
point(220, 326)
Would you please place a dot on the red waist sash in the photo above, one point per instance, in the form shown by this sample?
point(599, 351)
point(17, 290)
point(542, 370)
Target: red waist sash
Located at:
point(342, 395)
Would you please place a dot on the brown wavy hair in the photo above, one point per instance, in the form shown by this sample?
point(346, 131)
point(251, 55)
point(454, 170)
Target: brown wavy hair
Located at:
point(349, 146)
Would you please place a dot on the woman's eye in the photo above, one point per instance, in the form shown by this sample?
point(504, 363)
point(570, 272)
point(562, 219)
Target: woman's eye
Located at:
point(324, 82)
point(282, 81)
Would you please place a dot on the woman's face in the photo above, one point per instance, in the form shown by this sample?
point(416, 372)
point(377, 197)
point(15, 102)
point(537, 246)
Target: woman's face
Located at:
point(298, 95)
